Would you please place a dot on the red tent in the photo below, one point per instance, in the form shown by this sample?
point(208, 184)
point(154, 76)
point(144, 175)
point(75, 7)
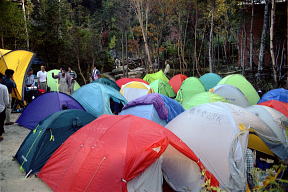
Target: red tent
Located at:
point(176, 82)
point(123, 81)
point(277, 105)
point(110, 152)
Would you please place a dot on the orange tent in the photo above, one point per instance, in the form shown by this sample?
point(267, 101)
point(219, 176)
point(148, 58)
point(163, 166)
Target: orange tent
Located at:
point(176, 82)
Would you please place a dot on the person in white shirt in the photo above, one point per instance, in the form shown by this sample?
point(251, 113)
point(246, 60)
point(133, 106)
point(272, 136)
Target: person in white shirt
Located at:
point(4, 102)
point(42, 78)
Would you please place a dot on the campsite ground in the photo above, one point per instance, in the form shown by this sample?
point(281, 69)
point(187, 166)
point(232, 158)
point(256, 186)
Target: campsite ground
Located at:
point(11, 178)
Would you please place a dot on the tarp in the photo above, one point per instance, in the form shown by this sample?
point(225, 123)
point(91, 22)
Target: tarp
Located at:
point(53, 83)
point(111, 154)
point(202, 98)
point(40, 143)
point(216, 138)
point(277, 105)
point(176, 82)
point(191, 86)
point(162, 87)
point(124, 81)
point(45, 105)
point(275, 137)
point(245, 87)
point(154, 76)
point(231, 94)
point(19, 61)
point(134, 90)
point(210, 80)
point(99, 99)
point(106, 81)
point(166, 108)
point(275, 94)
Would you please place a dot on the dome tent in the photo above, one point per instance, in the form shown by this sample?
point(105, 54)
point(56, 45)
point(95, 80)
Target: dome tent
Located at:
point(45, 105)
point(162, 87)
point(275, 94)
point(114, 153)
point(155, 76)
point(245, 87)
point(191, 86)
point(214, 135)
point(134, 90)
point(155, 107)
point(231, 94)
point(209, 80)
point(99, 99)
point(123, 81)
point(176, 82)
point(109, 82)
point(277, 105)
point(40, 143)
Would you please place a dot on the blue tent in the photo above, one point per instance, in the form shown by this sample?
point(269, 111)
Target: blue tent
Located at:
point(209, 80)
point(99, 99)
point(45, 105)
point(155, 107)
point(275, 94)
point(106, 81)
point(49, 134)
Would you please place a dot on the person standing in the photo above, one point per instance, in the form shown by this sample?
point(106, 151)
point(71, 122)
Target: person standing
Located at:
point(42, 78)
point(29, 83)
point(4, 102)
point(95, 74)
point(10, 84)
point(73, 76)
point(64, 81)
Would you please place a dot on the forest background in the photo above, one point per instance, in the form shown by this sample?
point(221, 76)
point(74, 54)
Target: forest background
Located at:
point(192, 36)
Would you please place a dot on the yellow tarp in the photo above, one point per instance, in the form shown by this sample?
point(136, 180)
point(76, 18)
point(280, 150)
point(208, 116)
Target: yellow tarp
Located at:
point(19, 61)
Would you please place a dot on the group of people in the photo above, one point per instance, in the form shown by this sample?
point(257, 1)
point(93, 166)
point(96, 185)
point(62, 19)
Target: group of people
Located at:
point(6, 87)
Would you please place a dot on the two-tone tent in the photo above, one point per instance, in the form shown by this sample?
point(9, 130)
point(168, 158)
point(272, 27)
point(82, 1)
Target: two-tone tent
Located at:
point(202, 98)
point(123, 81)
point(231, 94)
point(176, 82)
point(115, 153)
point(275, 135)
point(134, 90)
point(277, 105)
point(53, 83)
point(217, 139)
point(19, 61)
point(155, 107)
point(210, 80)
point(99, 99)
point(109, 82)
point(244, 85)
point(280, 94)
point(45, 105)
point(191, 86)
point(162, 87)
point(50, 133)
point(154, 76)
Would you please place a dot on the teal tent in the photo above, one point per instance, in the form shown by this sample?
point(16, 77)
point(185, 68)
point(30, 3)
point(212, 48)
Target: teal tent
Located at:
point(106, 81)
point(49, 134)
point(209, 80)
point(99, 99)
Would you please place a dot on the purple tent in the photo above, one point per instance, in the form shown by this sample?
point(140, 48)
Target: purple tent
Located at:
point(45, 105)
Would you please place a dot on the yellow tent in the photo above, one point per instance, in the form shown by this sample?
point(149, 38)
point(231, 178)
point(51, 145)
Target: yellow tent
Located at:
point(19, 61)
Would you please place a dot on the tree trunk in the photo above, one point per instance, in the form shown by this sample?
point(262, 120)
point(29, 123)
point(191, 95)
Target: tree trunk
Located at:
point(25, 23)
point(251, 38)
point(271, 42)
point(2, 41)
point(210, 43)
point(195, 65)
point(263, 36)
point(80, 70)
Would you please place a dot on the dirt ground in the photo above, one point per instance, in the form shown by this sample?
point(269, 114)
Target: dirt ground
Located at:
point(11, 178)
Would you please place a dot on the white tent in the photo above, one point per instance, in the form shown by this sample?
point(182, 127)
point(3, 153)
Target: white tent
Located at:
point(231, 94)
point(134, 90)
point(217, 139)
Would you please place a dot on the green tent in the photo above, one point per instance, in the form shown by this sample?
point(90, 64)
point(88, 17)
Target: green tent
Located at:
point(245, 86)
point(202, 98)
point(53, 83)
point(162, 87)
point(191, 86)
point(154, 76)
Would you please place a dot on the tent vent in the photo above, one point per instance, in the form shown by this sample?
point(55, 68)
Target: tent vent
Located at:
point(157, 149)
